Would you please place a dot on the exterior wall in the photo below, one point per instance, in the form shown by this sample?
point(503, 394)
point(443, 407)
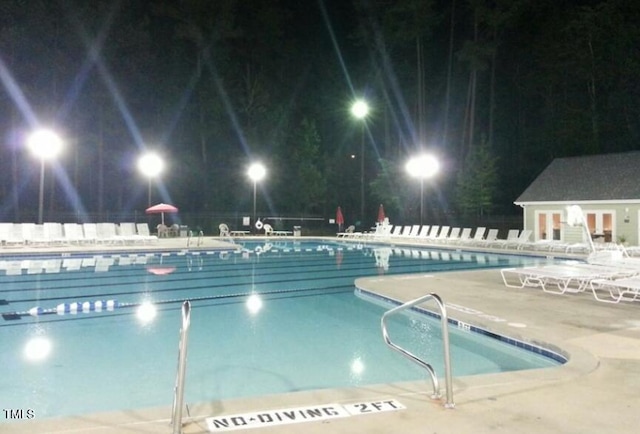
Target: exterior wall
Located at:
point(628, 224)
point(625, 222)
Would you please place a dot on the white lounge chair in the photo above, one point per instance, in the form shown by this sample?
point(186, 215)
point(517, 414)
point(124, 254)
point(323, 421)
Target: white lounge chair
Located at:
point(478, 236)
point(383, 230)
point(465, 236)
point(560, 279)
point(406, 230)
point(143, 230)
point(347, 232)
point(5, 230)
point(560, 246)
point(224, 230)
point(415, 230)
point(34, 234)
point(512, 235)
point(490, 237)
point(53, 233)
point(454, 235)
point(13, 235)
point(126, 231)
point(523, 240)
point(444, 233)
point(108, 233)
point(433, 232)
point(90, 231)
point(424, 231)
point(73, 233)
point(30, 232)
point(625, 289)
point(396, 231)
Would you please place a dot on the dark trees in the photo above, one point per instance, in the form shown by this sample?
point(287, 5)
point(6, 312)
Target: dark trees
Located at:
point(215, 85)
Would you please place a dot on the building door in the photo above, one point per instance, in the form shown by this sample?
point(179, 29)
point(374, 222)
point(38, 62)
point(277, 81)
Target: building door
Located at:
point(549, 225)
point(600, 225)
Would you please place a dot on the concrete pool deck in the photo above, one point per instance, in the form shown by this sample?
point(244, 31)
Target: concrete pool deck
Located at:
point(596, 391)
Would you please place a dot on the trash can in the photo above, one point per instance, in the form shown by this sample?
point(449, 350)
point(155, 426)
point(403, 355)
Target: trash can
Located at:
point(184, 231)
point(297, 231)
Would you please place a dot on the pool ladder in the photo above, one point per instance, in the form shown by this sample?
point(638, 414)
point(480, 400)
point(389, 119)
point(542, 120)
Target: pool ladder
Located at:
point(190, 235)
point(178, 391)
point(445, 342)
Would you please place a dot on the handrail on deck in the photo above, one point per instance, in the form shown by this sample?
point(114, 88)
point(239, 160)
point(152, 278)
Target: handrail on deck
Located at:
point(445, 342)
point(190, 235)
point(178, 391)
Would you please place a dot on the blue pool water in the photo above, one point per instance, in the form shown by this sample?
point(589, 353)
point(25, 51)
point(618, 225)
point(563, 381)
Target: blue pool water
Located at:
point(272, 318)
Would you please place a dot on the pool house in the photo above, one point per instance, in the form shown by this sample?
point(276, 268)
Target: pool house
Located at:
point(604, 186)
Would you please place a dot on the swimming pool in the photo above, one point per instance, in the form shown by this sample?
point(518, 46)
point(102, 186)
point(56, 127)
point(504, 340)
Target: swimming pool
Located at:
point(272, 318)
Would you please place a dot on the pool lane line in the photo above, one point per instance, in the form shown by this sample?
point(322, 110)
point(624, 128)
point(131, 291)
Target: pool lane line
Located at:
point(133, 273)
point(178, 303)
point(207, 279)
point(400, 269)
point(110, 305)
point(177, 258)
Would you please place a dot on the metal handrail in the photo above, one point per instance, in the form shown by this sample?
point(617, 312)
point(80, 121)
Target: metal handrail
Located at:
point(190, 235)
point(445, 341)
point(178, 391)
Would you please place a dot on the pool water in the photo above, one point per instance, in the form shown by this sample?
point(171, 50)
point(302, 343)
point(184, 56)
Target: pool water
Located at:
point(272, 318)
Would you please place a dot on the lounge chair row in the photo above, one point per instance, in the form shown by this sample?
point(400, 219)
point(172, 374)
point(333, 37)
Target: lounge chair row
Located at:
point(52, 234)
point(609, 281)
point(481, 237)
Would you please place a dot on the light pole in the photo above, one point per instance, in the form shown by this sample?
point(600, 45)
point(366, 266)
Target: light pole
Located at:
point(256, 173)
point(150, 164)
point(423, 167)
point(360, 110)
point(46, 145)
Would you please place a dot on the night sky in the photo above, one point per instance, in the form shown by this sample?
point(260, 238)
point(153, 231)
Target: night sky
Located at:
point(495, 89)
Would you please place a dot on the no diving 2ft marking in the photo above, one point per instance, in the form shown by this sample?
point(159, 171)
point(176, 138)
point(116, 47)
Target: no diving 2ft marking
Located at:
point(299, 414)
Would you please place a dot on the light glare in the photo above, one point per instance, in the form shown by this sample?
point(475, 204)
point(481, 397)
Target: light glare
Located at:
point(424, 166)
point(574, 215)
point(257, 172)
point(357, 366)
point(254, 304)
point(360, 109)
point(146, 312)
point(150, 164)
point(44, 144)
point(37, 349)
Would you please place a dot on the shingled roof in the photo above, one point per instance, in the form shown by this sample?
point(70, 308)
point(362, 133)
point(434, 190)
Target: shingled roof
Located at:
point(607, 177)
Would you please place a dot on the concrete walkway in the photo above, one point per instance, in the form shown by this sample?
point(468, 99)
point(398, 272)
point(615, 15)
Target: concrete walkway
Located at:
point(597, 391)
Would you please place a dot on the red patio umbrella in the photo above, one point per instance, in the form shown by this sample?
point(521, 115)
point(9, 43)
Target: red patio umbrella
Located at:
point(381, 215)
point(161, 208)
point(339, 218)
